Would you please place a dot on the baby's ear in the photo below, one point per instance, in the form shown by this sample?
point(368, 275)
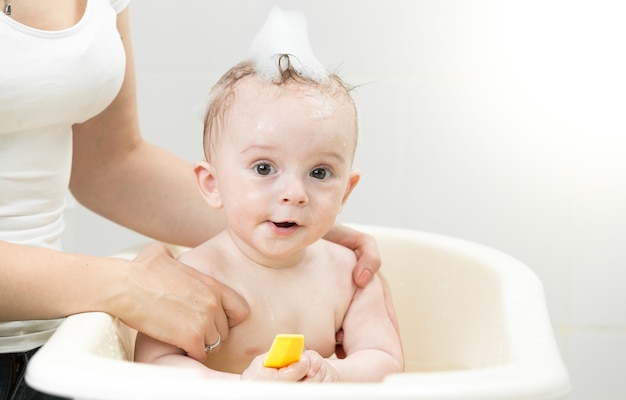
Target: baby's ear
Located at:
point(207, 183)
point(353, 180)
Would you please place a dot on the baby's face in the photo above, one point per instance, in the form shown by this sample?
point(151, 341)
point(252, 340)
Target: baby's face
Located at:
point(283, 163)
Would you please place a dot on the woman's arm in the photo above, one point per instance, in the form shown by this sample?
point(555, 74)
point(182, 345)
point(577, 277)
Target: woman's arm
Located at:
point(132, 182)
point(128, 180)
point(153, 293)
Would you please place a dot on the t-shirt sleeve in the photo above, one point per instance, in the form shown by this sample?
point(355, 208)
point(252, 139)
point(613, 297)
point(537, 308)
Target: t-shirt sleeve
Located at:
point(119, 5)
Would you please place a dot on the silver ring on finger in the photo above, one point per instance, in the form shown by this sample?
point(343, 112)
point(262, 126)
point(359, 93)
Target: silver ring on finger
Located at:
point(210, 347)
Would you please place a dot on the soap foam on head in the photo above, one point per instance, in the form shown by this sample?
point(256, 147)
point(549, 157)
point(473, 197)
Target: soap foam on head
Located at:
point(285, 33)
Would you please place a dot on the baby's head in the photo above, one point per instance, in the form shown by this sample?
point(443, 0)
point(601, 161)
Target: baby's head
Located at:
point(230, 98)
point(279, 158)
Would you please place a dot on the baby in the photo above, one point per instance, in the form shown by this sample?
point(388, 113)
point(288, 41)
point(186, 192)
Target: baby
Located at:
point(279, 153)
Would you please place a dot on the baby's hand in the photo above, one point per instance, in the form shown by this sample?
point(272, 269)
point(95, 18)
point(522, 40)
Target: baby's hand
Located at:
point(293, 372)
point(319, 370)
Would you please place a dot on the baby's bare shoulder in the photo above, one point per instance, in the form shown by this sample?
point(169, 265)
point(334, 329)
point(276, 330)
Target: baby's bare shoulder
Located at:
point(337, 256)
point(205, 258)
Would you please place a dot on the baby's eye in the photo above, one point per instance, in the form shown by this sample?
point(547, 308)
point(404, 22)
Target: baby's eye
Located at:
point(263, 169)
point(320, 173)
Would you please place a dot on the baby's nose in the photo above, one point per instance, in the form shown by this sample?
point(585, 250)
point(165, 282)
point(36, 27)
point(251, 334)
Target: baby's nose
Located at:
point(294, 193)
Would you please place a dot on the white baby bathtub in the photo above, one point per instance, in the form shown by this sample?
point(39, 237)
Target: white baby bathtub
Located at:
point(473, 321)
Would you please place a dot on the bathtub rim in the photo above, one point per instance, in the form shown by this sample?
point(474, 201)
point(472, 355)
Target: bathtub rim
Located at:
point(535, 370)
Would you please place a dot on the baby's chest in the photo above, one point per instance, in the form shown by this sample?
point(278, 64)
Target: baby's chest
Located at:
point(315, 315)
point(313, 306)
point(255, 334)
point(317, 320)
point(252, 342)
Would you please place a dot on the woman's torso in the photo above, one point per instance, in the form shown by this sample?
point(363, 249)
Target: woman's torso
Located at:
point(49, 80)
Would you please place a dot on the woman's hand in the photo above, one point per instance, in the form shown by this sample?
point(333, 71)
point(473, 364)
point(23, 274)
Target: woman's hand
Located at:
point(176, 304)
point(364, 246)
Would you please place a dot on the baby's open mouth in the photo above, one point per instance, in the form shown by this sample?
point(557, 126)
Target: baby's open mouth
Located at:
point(285, 224)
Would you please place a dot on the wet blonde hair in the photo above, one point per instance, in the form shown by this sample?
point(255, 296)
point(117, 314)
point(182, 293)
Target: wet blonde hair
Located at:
point(222, 95)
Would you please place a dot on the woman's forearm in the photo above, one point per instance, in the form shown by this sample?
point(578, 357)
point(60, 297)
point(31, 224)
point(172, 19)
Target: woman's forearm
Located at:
point(39, 283)
point(119, 175)
point(154, 293)
point(152, 192)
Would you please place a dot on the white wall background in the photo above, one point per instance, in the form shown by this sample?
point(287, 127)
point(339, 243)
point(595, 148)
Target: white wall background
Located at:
point(499, 122)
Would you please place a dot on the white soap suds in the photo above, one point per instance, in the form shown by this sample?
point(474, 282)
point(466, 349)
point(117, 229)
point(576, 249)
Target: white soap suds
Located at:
point(285, 32)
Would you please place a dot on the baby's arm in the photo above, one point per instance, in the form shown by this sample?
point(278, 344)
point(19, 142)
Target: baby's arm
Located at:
point(371, 342)
point(149, 350)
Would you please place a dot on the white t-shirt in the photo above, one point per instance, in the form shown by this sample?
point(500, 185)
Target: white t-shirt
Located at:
point(49, 80)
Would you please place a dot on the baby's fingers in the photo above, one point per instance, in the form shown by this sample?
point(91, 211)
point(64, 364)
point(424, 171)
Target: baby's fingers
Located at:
point(320, 369)
point(295, 371)
point(315, 372)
